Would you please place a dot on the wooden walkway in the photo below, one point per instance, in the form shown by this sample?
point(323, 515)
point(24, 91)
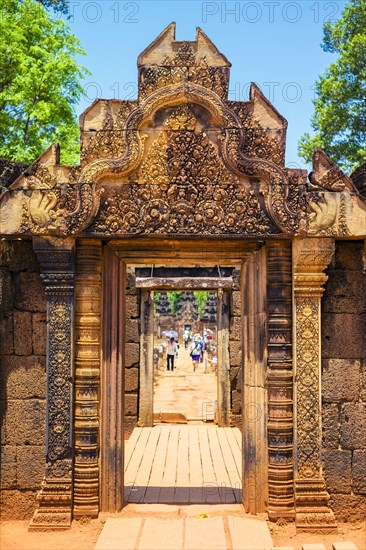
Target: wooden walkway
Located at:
point(183, 464)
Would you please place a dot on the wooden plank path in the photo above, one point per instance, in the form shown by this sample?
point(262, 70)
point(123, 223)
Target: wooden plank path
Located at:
point(183, 464)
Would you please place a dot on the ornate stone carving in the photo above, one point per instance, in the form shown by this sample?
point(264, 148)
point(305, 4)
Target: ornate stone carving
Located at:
point(280, 381)
point(55, 497)
point(62, 211)
point(258, 141)
point(182, 177)
point(87, 362)
point(327, 176)
point(311, 257)
point(328, 214)
point(275, 186)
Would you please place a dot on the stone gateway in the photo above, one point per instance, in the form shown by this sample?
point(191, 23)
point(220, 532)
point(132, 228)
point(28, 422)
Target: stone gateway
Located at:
point(182, 177)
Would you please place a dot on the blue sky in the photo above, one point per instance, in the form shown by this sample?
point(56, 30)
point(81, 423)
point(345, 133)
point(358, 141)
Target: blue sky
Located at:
point(275, 44)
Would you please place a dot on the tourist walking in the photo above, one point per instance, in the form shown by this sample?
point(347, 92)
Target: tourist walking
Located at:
point(171, 352)
point(195, 353)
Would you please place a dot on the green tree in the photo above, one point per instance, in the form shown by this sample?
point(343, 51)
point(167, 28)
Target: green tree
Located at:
point(339, 118)
point(173, 298)
point(61, 6)
point(201, 297)
point(39, 83)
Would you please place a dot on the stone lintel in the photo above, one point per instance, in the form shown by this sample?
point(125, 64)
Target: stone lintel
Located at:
point(186, 283)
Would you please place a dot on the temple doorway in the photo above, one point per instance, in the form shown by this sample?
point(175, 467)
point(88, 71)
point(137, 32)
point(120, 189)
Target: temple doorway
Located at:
point(223, 460)
point(185, 357)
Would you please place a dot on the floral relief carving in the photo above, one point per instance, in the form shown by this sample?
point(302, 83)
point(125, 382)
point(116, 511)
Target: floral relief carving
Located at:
point(307, 349)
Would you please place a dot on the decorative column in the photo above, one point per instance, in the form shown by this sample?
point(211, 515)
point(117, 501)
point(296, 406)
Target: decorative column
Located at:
point(56, 257)
point(87, 365)
point(280, 382)
point(310, 258)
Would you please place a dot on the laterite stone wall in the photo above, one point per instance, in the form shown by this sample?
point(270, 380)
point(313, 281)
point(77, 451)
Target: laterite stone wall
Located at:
point(235, 351)
point(132, 353)
point(22, 378)
point(344, 381)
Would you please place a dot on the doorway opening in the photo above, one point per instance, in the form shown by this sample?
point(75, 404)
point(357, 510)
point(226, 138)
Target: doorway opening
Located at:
point(185, 357)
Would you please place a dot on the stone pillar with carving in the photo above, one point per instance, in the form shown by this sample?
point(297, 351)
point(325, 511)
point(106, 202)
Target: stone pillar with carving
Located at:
point(310, 259)
point(87, 367)
point(280, 382)
point(56, 257)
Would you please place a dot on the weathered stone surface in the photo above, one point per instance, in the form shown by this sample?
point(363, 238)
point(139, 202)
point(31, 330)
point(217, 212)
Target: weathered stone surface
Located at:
point(348, 255)
point(235, 328)
point(130, 280)
point(236, 303)
point(6, 290)
point(337, 470)
point(39, 327)
point(236, 278)
point(236, 421)
point(8, 467)
point(331, 426)
point(363, 381)
point(18, 505)
point(22, 333)
point(132, 354)
point(30, 466)
point(345, 292)
point(236, 402)
point(235, 378)
point(29, 292)
point(344, 336)
point(353, 425)
point(131, 404)
point(131, 379)
point(22, 257)
point(132, 306)
point(132, 330)
point(25, 422)
point(334, 374)
point(130, 422)
point(348, 507)
point(235, 353)
point(6, 334)
point(24, 377)
point(359, 471)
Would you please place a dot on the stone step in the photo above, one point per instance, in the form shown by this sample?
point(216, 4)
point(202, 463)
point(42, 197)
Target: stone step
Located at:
point(190, 533)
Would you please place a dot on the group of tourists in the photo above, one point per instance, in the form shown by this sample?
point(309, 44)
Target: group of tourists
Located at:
point(197, 344)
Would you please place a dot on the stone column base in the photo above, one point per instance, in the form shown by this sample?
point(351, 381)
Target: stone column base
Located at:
point(54, 511)
point(312, 513)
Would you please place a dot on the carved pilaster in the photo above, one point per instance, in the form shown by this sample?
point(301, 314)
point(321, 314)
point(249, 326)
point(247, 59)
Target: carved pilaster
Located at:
point(280, 381)
point(87, 362)
point(55, 498)
point(310, 257)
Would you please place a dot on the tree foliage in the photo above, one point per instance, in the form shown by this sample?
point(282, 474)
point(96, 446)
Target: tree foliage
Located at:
point(173, 298)
point(61, 6)
point(201, 297)
point(39, 83)
point(339, 118)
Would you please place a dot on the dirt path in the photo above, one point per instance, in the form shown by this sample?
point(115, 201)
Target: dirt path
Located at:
point(193, 394)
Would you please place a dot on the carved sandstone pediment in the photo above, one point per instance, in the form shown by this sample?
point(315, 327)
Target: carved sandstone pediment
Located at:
point(182, 159)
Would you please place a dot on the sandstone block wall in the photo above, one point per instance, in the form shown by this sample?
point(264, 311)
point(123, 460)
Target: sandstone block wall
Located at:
point(132, 352)
point(22, 378)
point(344, 381)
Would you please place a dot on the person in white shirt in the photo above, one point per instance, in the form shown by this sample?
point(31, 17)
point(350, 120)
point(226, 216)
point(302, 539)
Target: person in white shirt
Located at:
point(171, 352)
